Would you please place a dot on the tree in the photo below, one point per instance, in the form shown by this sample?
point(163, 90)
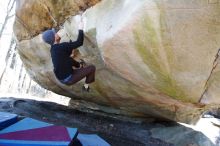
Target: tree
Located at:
point(10, 57)
point(9, 14)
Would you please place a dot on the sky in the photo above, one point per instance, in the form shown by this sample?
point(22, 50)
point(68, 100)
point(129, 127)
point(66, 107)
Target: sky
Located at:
point(7, 34)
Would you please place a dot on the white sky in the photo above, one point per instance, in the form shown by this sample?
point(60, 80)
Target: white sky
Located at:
point(6, 37)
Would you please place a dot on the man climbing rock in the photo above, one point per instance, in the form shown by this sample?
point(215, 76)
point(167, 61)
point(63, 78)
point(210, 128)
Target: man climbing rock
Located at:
point(63, 63)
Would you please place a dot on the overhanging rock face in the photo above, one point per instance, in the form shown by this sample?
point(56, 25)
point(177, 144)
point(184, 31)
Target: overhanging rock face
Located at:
point(33, 16)
point(153, 58)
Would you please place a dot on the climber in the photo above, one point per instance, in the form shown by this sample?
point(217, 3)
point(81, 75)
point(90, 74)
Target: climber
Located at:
point(63, 63)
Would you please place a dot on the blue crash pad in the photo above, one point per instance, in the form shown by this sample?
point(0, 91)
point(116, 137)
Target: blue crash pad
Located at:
point(7, 119)
point(91, 140)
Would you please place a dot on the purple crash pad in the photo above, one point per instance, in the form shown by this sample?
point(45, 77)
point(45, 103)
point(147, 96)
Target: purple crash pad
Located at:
point(30, 132)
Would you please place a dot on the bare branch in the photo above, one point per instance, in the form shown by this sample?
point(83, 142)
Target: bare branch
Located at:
point(8, 5)
point(12, 15)
point(3, 26)
point(8, 16)
point(12, 5)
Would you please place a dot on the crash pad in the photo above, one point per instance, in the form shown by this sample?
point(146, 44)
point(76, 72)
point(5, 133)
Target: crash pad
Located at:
point(7, 119)
point(91, 140)
point(31, 132)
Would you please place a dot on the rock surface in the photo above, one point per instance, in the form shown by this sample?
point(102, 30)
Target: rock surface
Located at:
point(154, 58)
point(33, 16)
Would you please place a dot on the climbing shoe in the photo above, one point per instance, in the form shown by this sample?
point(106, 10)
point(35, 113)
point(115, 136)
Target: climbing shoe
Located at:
point(84, 89)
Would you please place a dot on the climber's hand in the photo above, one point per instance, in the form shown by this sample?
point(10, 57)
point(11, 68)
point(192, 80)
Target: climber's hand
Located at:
point(81, 24)
point(82, 63)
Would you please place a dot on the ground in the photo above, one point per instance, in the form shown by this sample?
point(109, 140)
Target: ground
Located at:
point(116, 132)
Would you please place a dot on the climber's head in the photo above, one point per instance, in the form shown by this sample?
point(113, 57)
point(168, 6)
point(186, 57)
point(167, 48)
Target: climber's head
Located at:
point(50, 36)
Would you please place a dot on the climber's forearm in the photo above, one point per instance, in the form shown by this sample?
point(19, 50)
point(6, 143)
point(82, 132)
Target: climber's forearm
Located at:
point(78, 42)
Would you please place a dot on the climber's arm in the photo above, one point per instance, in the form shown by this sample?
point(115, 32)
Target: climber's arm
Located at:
point(78, 42)
point(80, 38)
point(69, 46)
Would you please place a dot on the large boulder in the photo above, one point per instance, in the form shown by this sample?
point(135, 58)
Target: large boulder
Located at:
point(154, 58)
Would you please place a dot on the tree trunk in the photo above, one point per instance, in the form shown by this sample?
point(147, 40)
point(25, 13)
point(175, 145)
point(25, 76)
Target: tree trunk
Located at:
point(7, 17)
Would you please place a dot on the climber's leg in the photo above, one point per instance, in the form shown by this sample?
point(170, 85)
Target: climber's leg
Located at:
point(79, 74)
